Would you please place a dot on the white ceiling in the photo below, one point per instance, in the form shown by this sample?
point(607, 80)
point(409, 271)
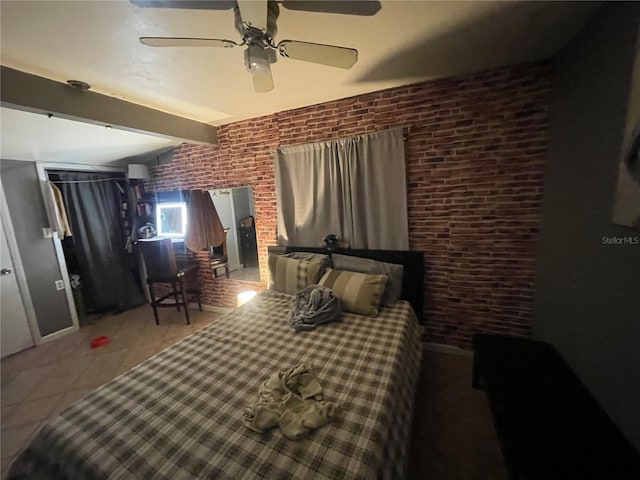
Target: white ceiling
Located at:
point(28, 136)
point(405, 42)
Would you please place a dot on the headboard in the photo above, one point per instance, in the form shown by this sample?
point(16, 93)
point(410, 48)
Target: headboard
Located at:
point(412, 279)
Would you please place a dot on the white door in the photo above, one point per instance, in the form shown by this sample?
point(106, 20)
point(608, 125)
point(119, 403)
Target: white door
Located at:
point(223, 201)
point(14, 329)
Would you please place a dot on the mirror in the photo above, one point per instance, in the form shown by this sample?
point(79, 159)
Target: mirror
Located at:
point(236, 211)
point(171, 219)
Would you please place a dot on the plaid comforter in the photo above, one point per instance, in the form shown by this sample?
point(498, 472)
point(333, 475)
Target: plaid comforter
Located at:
point(179, 414)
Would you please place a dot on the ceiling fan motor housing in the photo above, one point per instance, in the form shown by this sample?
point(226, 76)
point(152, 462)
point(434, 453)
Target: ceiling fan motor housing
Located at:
point(258, 37)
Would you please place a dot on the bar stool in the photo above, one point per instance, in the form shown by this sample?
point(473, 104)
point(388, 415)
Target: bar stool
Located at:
point(218, 259)
point(163, 269)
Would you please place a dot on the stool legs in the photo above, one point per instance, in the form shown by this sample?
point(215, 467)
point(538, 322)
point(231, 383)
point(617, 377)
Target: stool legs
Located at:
point(192, 279)
point(184, 287)
point(215, 268)
point(183, 293)
point(152, 294)
point(175, 296)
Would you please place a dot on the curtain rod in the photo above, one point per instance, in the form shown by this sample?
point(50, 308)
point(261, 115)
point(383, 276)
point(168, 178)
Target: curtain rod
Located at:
point(97, 173)
point(86, 181)
point(406, 130)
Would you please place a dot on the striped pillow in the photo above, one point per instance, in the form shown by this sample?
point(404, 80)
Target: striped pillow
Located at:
point(358, 292)
point(288, 275)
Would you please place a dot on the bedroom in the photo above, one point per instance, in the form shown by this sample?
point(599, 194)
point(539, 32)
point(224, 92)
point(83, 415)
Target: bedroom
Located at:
point(459, 300)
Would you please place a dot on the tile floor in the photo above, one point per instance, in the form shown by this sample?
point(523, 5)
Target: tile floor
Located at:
point(249, 274)
point(38, 383)
point(453, 436)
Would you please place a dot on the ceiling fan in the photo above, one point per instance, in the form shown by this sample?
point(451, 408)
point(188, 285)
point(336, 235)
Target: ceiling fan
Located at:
point(255, 20)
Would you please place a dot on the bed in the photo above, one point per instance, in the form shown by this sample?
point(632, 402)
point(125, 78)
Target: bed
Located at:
point(178, 415)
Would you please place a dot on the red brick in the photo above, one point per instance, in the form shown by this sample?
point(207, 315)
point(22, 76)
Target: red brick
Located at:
point(475, 158)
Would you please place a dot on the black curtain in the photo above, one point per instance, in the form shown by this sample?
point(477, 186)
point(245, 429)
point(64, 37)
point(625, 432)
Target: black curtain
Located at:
point(93, 205)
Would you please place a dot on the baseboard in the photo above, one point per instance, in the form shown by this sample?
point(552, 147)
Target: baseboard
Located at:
point(212, 308)
point(449, 349)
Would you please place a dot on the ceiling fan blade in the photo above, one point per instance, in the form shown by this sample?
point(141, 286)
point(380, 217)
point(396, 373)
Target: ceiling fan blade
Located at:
point(186, 42)
point(262, 80)
point(353, 7)
point(254, 13)
point(189, 4)
point(330, 55)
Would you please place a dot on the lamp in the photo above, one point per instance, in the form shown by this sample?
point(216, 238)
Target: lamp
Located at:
point(138, 172)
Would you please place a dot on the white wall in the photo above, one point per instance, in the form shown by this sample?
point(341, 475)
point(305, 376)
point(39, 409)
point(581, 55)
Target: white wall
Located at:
point(28, 216)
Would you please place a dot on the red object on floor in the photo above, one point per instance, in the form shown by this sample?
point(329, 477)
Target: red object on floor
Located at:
point(100, 341)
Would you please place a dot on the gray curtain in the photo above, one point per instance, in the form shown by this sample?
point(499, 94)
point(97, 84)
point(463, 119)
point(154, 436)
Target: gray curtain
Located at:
point(353, 187)
point(106, 273)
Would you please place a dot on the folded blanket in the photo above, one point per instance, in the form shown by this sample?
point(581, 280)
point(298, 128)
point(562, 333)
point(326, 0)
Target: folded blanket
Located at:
point(292, 400)
point(313, 306)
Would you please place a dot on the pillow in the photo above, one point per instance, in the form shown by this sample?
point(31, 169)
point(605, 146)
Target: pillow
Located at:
point(366, 265)
point(311, 257)
point(288, 275)
point(358, 292)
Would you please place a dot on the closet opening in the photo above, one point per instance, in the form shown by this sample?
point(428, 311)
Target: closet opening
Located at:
point(94, 221)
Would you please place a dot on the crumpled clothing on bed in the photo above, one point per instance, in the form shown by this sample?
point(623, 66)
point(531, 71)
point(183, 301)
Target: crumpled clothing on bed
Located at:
point(313, 306)
point(292, 400)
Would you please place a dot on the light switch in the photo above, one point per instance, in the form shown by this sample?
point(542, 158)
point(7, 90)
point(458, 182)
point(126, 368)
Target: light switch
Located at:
point(59, 285)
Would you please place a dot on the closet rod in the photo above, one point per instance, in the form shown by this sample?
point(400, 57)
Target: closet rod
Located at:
point(87, 181)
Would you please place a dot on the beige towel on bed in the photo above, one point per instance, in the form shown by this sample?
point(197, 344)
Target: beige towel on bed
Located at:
point(292, 400)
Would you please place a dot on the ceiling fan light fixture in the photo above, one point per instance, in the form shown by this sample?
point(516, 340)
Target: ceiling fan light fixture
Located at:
point(256, 59)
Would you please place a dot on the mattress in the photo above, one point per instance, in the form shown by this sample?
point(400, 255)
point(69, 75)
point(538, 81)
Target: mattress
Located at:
point(178, 415)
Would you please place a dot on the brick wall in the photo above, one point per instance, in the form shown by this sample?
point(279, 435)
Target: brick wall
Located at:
point(475, 154)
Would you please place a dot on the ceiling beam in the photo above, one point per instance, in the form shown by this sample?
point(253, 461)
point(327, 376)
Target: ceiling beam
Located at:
point(27, 92)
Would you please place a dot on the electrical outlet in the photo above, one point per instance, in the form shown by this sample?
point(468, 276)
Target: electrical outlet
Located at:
point(59, 284)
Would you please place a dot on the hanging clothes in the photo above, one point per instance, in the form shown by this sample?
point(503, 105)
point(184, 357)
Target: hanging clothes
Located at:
point(204, 228)
point(61, 222)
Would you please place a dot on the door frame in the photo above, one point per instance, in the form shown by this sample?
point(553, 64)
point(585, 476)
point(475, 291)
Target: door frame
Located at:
point(57, 243)
point(21, 278)
point(228, 193)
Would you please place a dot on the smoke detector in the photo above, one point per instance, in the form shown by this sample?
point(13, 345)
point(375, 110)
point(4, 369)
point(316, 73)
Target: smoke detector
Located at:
point(79, 85)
